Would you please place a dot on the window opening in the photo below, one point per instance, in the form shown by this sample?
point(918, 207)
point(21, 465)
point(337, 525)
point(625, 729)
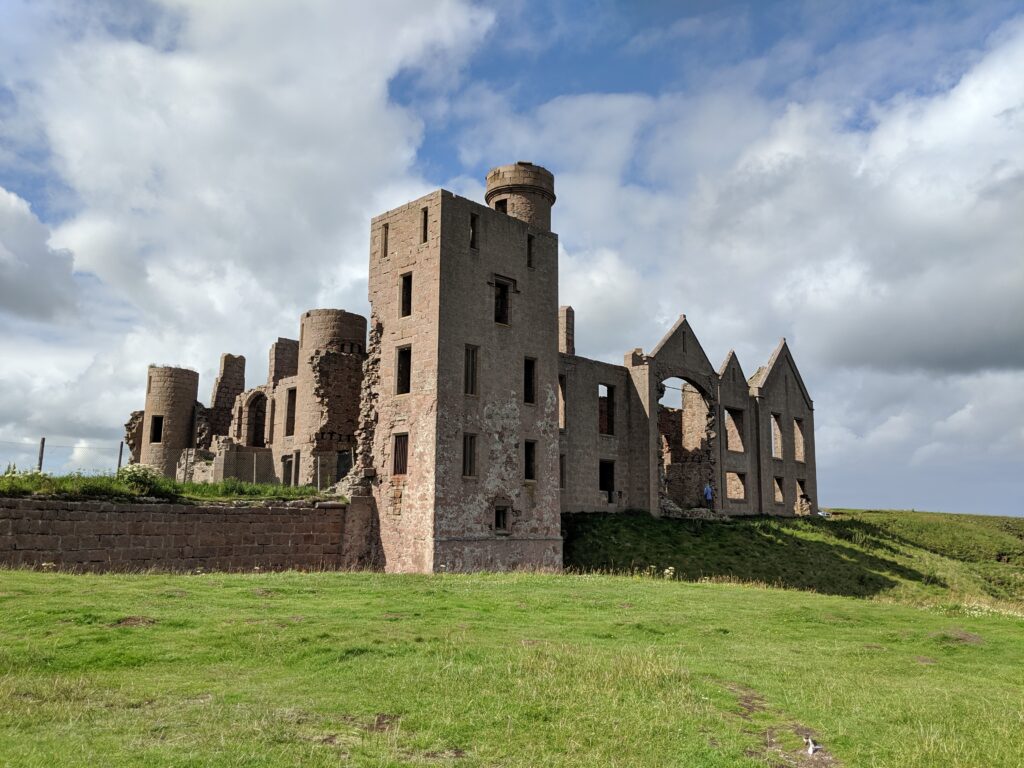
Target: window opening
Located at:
point(400, 455)
point(156, 429)
point(403, 377)
point(529, 380)
point(406, 293)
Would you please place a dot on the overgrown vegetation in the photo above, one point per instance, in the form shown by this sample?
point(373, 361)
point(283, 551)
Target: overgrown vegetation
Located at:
point(913, 557)
point(136, 482)
point(513, 670)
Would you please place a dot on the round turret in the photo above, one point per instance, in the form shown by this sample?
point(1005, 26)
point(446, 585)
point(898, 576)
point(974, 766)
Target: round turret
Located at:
point(331, 329)
point(168, 425)
point(524, 191)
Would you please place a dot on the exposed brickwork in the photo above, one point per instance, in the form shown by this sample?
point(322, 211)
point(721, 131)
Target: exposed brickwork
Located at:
point(284, 360)
point(100, 536)
point(226, 388)
point(170, 398)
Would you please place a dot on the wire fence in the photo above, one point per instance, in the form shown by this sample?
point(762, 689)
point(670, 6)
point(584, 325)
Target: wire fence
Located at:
point(64, 455)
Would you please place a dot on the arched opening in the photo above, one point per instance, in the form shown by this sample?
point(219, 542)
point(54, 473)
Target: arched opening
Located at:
point(256, 421)
point(686, 450)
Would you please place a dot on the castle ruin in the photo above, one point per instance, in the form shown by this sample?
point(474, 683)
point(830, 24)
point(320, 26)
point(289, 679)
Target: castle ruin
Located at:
point(461, 422)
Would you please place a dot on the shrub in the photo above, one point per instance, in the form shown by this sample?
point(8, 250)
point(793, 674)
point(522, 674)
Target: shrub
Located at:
point(143, 479)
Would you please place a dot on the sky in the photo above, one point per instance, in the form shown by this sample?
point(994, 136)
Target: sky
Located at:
point(180, 178)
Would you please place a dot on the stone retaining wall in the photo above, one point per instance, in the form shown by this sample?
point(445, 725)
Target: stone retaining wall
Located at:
point(104, 536)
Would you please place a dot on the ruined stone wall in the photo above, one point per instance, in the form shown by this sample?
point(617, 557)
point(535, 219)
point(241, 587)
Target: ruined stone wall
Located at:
point(284, 360)
point(230, 383)
point(585, 445)
point(170, 395)
point(781, 395)
point(405, 503)
point(101, 536)
point(498, 415)
point(133, 436)
point(738, 443)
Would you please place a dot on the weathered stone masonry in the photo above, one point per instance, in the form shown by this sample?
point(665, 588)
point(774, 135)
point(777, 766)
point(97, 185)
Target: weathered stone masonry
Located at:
point(467, 422)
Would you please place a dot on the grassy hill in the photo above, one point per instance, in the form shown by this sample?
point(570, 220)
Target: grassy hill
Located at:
point(518, 670)
point(912, 557)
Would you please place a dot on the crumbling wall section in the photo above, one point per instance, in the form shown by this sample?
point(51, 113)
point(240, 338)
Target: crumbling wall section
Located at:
point(133, 436)
point(226, 388)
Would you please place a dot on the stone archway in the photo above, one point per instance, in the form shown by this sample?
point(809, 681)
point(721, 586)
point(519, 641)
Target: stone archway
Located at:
point(687, 454)
point(256, 421)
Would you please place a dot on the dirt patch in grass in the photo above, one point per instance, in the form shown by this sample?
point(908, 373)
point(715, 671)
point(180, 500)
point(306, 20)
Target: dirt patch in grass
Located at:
point(750, 701)
point(134, 621)
point(380, 723)
point(925, 660)
point(775, 754)
point(874, 647)
point(261, 592)
point(958, 635)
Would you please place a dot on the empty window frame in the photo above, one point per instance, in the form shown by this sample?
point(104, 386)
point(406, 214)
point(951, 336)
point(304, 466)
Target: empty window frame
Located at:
point(735, 486)
point(502, 291)
point(734, 430)
point(474, 225)
point(469, 455)
point(530, 460)
point(400, 454)
point(383, 239)
point(501, 206)
point(529, 251)
point(423, 225)
point(561, 470)
point(405, 294)
point(529, 380)
point(561, 401)
point(273, 419)
point(469, 370)
point(776, 436)
point(606, 478)
point(780, 495)
point(403, 371)
point(502, 519)
point(605, 409)
point(156, 429)
point(798, 440)
point(289, 413)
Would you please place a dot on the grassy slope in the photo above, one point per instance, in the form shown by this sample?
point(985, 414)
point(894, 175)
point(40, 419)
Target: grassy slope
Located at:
point(912, 557)
point(112, 488)
point(527, 669)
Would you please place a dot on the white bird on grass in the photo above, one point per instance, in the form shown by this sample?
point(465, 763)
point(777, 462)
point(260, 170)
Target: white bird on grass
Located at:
point(812, 747)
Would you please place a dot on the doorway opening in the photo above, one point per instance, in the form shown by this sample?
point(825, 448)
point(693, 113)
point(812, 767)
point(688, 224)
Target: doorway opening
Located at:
point(687, 451)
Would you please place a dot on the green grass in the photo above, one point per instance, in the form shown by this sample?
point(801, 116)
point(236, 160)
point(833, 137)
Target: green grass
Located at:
point(109, 487)
point(915, 558)
point(897, 638)
point(492, 670)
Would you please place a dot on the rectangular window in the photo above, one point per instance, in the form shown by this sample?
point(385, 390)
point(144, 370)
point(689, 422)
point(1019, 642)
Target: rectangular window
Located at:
point(400, 455)
point(776, 436)
point(383, 239)
point(501, 294)
point(529, 380)
point(606, 479)
point(289, 413)
point(561, 402)
point(605, 409)
point(779, 495)
point(403, 371)
point(530, 460)
point(423, 226)
point(474, 224)
point(734, 430)
point(469, 370)
point(273, 418)
point(529, 251)
point(501, 520)
point(561, 470)
point(501, 206)
point(798, 439)
point(156, 429)
point(735, 486)
point(469, 455)
point(405, 293)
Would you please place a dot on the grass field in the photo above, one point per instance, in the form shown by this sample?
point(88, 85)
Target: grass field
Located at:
point(530, 669)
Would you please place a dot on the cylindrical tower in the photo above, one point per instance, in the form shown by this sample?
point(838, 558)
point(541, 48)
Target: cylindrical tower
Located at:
point(522, 190)
point(332, 347)
point(168, 425)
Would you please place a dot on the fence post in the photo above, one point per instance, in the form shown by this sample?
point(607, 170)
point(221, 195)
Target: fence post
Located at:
point(42, 448)
point(120, 453)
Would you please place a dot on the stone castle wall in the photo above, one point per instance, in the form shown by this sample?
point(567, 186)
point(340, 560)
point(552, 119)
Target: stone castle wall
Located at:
point(103, 536)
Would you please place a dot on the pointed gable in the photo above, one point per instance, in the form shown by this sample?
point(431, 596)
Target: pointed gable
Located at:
point(731, 368)
point(680, 354)
point(767, 375)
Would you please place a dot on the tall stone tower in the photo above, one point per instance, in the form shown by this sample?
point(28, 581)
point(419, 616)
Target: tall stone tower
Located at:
point(169, 421)
point(464, 367)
